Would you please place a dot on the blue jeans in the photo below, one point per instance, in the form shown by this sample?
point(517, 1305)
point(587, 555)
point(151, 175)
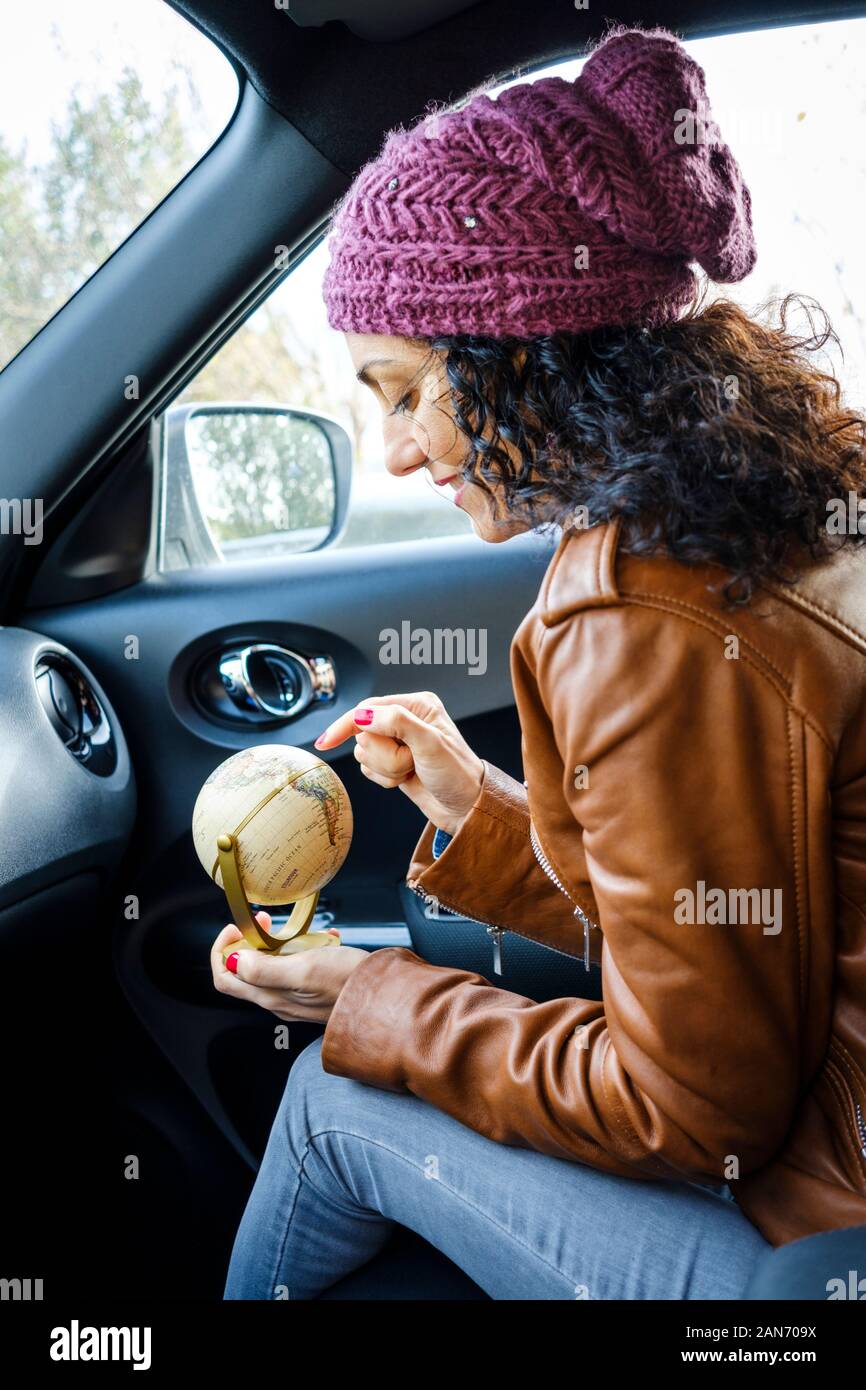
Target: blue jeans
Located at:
point(345, 1161)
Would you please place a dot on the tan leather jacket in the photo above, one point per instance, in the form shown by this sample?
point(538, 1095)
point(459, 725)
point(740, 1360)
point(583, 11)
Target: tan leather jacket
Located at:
point(678, 757)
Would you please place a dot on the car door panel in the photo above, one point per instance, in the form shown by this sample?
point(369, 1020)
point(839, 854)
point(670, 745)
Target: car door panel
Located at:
point(339, 602)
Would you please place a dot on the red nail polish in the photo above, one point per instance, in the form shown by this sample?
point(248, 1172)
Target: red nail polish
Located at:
point(363, 716)
point(318, 742)
point(232, 962)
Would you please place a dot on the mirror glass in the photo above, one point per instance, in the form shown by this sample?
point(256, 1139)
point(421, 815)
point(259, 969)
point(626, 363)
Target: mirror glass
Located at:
point(264, 480)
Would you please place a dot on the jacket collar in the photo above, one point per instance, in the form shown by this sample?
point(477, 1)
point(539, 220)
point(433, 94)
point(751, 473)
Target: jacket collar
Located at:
point(581, 573)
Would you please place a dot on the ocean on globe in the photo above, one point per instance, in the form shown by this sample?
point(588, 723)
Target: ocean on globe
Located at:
point(291, 817)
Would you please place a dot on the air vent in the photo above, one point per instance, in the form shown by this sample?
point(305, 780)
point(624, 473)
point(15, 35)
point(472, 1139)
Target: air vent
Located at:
point(75, 713)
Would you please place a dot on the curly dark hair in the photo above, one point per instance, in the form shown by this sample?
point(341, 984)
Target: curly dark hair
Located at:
point(714, 438)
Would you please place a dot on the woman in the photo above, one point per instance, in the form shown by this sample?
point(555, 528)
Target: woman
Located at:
point(514, 281)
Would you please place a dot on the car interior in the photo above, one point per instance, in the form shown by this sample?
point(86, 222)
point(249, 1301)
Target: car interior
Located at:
point(138, 1101)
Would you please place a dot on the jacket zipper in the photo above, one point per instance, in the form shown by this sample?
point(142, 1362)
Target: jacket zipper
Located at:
point(494, 929)
point(841, 1069)
point(581, 916)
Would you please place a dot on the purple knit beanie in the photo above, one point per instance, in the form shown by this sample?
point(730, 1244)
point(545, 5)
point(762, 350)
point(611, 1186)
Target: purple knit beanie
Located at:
point(556, 206)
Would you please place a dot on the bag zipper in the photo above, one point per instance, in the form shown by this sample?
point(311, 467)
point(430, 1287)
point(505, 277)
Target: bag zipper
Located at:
point(494, 929)
point(581, 916)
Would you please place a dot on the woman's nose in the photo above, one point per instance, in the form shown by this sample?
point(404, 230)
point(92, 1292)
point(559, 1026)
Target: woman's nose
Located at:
point(403, 453)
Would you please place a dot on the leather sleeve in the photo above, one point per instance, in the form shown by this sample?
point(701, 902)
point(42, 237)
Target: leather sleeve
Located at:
point(488, 870)
point(692, 1061)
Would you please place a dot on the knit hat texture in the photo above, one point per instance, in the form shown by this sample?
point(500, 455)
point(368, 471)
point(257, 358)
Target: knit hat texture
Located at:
point(555, 206)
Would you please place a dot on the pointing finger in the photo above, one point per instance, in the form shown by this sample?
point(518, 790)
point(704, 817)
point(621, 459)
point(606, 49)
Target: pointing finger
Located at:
point(346, 725)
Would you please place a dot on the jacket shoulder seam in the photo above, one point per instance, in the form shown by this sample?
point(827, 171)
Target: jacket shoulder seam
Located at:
point(822, 614)
point(753, 655)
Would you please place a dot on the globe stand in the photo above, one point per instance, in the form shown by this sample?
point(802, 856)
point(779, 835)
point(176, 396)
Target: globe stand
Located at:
point(291, 939)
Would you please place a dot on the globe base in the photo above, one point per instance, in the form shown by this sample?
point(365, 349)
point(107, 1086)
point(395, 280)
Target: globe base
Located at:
point(310, 941)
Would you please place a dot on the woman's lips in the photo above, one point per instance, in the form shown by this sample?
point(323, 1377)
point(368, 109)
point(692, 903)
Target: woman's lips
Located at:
point(453, 477)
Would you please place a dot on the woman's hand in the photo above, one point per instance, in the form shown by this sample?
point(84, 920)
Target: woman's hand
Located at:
point(410, 742)
point(301, 988)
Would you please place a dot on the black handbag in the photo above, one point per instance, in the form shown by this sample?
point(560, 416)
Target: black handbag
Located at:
point(528, 968)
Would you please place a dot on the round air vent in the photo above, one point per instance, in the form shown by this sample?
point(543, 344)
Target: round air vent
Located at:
point(75, 712)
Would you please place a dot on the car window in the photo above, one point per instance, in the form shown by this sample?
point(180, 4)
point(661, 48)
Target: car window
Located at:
point(781, 98)
point(286, 354)
point(103, 109)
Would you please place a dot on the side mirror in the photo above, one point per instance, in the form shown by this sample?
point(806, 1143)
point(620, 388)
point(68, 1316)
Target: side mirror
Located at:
point(244, 481)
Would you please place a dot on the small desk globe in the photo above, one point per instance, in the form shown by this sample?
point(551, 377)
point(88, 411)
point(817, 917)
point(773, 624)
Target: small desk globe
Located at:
point(273, 825)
